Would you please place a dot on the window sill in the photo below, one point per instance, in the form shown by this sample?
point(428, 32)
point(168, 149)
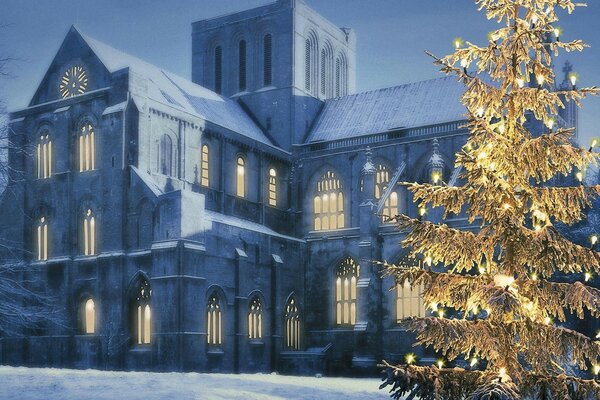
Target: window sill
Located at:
point(141, 348)
point(215, 352)
point(256, 342)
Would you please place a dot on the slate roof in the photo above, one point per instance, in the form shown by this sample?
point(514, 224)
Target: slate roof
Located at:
point(180, 93)
point(412, 105)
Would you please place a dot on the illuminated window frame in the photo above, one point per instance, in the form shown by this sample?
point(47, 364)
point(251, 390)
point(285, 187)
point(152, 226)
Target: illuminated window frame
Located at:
point(409, 301)
point(44, 155)
point(204, 166)
point(89, 233)
point(255, 319)
point(142, 314)
point(273, 187)
point(41, 241)
point(328, 203)
point(214, 321)
point(292, 325)
point(240, 183)
point(89, 316)
point(382, 180)
point(347, 273)
point(87, 147)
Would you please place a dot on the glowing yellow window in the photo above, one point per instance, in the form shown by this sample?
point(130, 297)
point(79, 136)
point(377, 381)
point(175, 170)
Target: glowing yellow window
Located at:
point(89, 233)
point(90, 317)
point(347, 274)
point(214, 327)
point(241, 178)
point(292, 325)
point(255, 319)
point(204, 180)
point(328, 204)
point(42, 238)
point(44, 156)
point(409, 301)
point(272, 187)
point(143, 314)
point(87, 157)
point(390, 205)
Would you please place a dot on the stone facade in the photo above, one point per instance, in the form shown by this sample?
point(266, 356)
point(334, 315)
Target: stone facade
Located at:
point(171, 230)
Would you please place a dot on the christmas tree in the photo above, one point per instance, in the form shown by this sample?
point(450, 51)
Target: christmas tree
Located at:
point(500, 279)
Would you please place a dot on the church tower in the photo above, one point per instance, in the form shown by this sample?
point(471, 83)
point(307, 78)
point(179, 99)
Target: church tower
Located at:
point(280, 61)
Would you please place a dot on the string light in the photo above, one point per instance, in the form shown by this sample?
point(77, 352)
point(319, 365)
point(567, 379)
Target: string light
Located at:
point(534, 19)
point(534, 277)
point(473, 362)
point(551, 123)
point(410, 358)
point(596, 369)
point(573, 78)
point(464, 63)
point(422, 211)
point(434, 307)
point(579, 176)
point(595, 141)
point(441, 313)
point(480, 112)
point(520, 82)
point(587, 276)
point(540, 79)
point(440, 363)
point(557, 32)
point(458, 42)
point(435, 177)
point(428, 261)
point(501, 128)
point(594, 239)
point(547, 320)
point(501, 374)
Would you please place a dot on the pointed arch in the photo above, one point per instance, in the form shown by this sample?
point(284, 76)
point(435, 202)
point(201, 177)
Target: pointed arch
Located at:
point(140, 309)
point(328, 202)
point(292, 324)
point(347, 273)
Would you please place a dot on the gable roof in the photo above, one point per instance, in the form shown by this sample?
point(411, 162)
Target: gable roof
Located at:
point(180, 93)
point(412, 105)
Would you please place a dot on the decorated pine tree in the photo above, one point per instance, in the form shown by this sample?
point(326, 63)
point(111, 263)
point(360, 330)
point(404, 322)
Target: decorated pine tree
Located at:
point(500, 280)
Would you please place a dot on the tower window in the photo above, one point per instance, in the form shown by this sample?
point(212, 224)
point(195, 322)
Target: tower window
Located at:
point(272, 187)
point(218, 69)
point(323, 71)
point(142, 313)
point(89, 233)
point(268, 60)
point(42, 238)
point(89, 317)
point(44, 156)
point(328, 203)
point(292, 325)
point(214, 327)
point(166, 155)
point(86, 147)
point(338, 77)
point(307, 64)
point(255, 319)
point(345, 292)
point(204, 169)
point(242, 65)
point(241, 178)
point(409, 301)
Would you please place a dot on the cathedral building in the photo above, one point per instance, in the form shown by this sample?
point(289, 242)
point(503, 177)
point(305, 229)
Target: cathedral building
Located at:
point(230, 222)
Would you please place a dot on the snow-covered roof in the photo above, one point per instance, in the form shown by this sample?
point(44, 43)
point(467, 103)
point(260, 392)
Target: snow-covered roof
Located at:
point(412, 105)
point(180, 93)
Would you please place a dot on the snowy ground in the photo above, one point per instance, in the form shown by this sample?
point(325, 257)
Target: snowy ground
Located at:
point(64, 384)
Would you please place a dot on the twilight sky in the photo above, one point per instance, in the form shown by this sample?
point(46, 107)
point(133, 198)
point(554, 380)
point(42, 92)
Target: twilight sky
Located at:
point(392, 37)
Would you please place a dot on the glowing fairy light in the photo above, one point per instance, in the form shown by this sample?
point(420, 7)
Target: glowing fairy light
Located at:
point(540, 79)
point(520, 82)
point(458, 43)
point(596, 369)
point(473, 362)
point(573, 78)
point(594, 239)
point(410, 358)
point(550, 123)
point(587, 276)
point(440, 363)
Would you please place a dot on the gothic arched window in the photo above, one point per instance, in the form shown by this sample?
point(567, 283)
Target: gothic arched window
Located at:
point(409, 301)
point(89, 233)
point(240, 187)
point(44, 155)
point(390, 205)
point(292, 325)
point(214, 323)
point(323, 71)
point(142, 326)
point(87, 157)
point(89, 316)
point(345, 291)
point(242, 65)
point(338, 77)
point(41, 240)
point(268, 60)
point(218, 60)
point(204, 167)
point(307, 64)
point(328, 203)
point(166, 155)
point(273, 187)
point(255, 318)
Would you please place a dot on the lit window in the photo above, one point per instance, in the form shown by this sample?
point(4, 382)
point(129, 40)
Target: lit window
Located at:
point(292, 325)
point(390, 205)
point(89, 316)
point(214, 327)
point(42, 238)
point(268, 60)
point(255, 319)
point(204, 180)
point(409, 301)
point(87, 157)
point(89, 233)
point(329, 203)
point(345, 292)
point(44, 156)
point(142, 313)
point(218, 69)
point(241, 178)
point(166, 155)
point(242, 65)
point(272, 187)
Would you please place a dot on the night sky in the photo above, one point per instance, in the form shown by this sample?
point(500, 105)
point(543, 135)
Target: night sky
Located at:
point(392, 36)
